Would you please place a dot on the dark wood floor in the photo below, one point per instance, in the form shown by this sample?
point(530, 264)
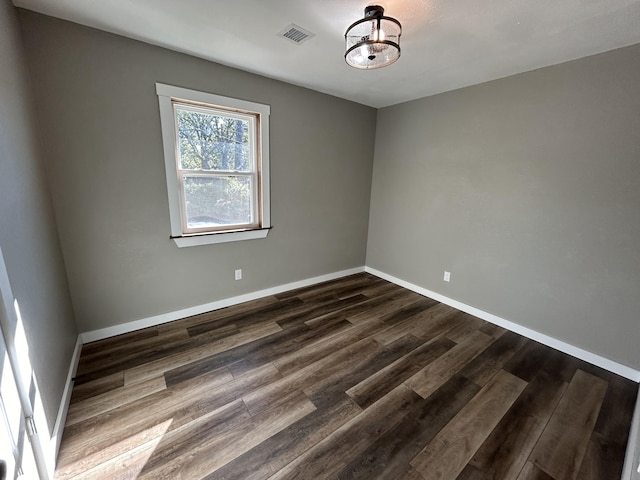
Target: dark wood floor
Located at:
point(354, 378)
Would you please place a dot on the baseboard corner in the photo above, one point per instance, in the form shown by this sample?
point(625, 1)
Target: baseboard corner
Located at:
point(594, 359)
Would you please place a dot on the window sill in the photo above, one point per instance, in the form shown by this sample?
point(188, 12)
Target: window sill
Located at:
point(211, 238)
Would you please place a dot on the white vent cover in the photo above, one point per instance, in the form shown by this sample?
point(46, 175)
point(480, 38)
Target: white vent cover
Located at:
point(295, 34)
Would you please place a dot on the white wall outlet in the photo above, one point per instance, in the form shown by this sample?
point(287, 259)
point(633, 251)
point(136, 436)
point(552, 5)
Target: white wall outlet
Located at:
point(239, 274)
point(447, 276)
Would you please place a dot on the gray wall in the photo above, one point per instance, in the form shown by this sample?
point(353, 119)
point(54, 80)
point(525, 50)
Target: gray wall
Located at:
point(528, 190)
point(98, 113)
point(27, 231)
point(525, 188)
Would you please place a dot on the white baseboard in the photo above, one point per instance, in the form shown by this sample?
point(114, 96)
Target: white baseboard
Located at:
point(102, 333)
point(53, 447)
point(552, 342)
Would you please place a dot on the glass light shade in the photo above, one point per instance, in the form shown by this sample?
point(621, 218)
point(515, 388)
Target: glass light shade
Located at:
point(374, 41)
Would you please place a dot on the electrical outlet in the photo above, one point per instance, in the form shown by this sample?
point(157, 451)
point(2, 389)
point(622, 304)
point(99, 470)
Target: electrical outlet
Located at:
point(239, 274)
point(447, 276)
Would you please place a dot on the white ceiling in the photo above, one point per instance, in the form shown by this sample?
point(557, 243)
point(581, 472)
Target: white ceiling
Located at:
point(446, 44)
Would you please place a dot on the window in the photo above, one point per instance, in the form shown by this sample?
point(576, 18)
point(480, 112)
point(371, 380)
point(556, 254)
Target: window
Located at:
point(217, 164)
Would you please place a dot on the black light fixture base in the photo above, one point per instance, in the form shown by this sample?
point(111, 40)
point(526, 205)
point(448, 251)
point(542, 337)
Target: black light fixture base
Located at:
point(373, 11)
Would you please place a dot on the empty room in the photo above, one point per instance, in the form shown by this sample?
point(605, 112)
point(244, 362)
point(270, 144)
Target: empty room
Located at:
point(319, 240)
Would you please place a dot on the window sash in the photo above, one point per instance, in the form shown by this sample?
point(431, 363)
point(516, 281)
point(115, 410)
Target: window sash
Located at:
point(255, 215)
point(253, 174)
point(252, 119)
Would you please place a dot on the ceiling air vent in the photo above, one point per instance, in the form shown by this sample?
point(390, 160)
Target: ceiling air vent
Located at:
point(295, 34)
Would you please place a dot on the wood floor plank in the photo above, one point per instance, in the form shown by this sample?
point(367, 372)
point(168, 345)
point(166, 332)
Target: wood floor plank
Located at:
point(504, 453)
point(347, 312)
point(145, 356)
point(198, 462)
point(149, 454)
point(472, 473)
point(269, 313)
point(97, 404)
point(160, 366)
point(430, 378)
point(617, 407)
point(570, 426)
point(383, 288)
point(90, 349)
point(362, 289)
point(410, 474)
point(331, 286)
point(260, 347)
point(493, 330)
point(386, 379)
point(143, 352)
point(120, 429)
point(290, 342)
point(128, 350)
point(282, 448)
point(482, 368)
point(396, 302)
point(407, 311)
point(607, 447)
point(313, 375)
point(82, 391)
point(560, 365)
point(392, 453)
point(328, 456)
point(185, 323)
point(355, 309)
point(331, 343)
point(466, 327)
point(436, 321)
point(333, 388)
point(531, 472)
point(449, 452)
point(109, 434)
point(325, 308)
point(201, 336)
point(600, 462)
point(527, 362)
point(423, 317)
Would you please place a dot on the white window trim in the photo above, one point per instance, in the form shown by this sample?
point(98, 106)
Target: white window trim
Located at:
point(167, 93)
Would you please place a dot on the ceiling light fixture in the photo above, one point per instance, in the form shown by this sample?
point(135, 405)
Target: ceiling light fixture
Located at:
point(374, 41)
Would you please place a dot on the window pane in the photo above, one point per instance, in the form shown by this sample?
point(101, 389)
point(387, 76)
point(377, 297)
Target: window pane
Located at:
point(212, 141)
point(214, 201)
